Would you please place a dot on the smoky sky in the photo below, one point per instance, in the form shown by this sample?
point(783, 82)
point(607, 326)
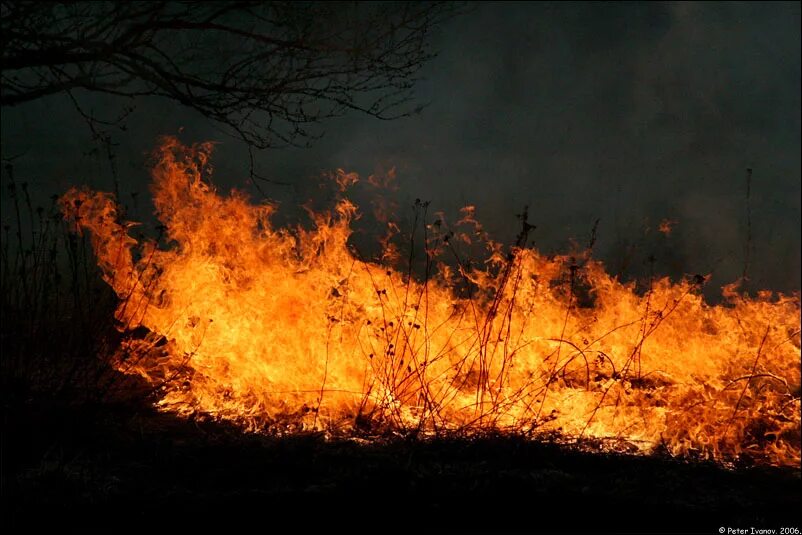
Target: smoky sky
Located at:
point(629, 114)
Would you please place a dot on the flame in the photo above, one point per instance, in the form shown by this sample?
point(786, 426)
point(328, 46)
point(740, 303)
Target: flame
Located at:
point(666, 226)
point(263, 325)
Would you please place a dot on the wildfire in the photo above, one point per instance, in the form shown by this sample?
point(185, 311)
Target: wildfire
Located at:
point(257, 324)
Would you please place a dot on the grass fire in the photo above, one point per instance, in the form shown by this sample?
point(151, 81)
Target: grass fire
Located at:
point(414, 267)
point(292, 328)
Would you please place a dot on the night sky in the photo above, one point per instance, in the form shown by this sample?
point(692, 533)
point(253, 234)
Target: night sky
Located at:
point(626, 113)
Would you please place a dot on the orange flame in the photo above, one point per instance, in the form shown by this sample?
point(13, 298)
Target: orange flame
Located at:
point(263, 325)
point(666, 226)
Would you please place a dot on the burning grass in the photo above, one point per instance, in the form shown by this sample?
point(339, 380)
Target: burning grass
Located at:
point(258, 325)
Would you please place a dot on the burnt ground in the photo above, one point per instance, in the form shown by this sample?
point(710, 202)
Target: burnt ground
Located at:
point(111, 466)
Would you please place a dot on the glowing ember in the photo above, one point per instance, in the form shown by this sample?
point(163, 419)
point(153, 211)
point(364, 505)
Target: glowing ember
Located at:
point(258, 324)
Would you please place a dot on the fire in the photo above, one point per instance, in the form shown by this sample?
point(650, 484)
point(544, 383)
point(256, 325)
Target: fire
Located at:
point(666, 226)
point(263, 325)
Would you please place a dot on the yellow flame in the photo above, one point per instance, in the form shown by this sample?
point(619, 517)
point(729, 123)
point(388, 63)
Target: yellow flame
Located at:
point(258, 325)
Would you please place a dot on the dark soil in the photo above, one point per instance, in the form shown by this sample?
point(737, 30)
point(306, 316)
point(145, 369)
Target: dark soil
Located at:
point(116, 467)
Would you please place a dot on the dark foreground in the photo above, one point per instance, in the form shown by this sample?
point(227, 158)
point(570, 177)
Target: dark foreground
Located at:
point(108, 468)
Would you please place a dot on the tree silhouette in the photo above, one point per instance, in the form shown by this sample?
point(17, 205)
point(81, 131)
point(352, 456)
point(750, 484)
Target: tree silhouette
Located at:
point(269, 72)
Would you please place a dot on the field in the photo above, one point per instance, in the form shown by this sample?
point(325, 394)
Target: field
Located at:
point(97, 466)
point(83, 446)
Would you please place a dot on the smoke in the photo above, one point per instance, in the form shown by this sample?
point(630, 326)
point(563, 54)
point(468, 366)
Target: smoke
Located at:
point(629, 114)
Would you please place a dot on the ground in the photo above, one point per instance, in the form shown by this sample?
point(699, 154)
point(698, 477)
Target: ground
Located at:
point(110, 466)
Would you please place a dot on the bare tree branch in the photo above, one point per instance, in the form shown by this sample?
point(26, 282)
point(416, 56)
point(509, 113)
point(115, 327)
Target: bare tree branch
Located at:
point(269, 72)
